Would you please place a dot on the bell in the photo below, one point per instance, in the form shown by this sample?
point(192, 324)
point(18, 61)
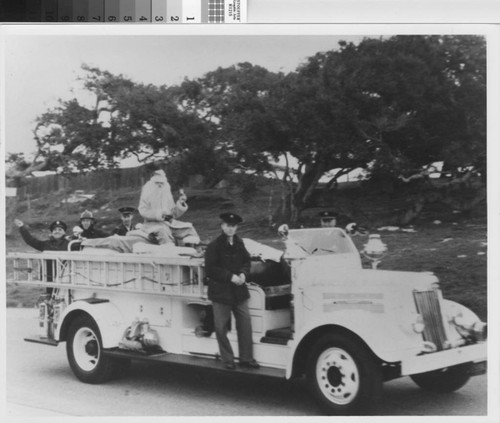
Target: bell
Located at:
point(375, 246)
point(374, 250)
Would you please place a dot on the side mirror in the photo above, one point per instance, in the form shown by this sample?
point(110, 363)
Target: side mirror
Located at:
point(283, 231)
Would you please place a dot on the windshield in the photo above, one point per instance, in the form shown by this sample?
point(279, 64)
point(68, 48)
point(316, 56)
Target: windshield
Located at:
point(322, 241)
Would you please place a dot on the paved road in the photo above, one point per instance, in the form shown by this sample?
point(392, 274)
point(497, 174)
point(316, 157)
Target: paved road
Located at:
point(40, 383)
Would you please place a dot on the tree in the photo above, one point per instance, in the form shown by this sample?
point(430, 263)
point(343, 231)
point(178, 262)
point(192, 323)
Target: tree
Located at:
point(126, 119)
point(389, 106)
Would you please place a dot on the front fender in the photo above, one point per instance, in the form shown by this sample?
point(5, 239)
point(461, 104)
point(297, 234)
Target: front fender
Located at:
point(107, 316)
point(388, 339)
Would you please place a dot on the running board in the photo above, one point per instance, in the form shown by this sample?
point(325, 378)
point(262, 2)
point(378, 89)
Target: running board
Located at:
point(193, 360)
point(46, 341)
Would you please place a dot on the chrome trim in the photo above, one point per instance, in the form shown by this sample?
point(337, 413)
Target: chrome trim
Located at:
point(429, 307)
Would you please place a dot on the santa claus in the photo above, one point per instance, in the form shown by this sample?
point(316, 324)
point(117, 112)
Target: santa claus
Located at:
point(160, 212)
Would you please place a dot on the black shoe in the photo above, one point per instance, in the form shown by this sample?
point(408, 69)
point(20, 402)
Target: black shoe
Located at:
point(252, 364)
point(229, 366)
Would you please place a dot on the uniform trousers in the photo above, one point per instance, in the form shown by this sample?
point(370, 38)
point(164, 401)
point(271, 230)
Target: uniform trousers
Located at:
point(222, 318)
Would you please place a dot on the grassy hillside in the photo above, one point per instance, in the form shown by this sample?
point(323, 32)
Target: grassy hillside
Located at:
point(454, 249)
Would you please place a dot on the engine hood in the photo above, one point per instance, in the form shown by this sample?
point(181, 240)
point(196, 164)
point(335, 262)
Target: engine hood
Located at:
point(316, 273)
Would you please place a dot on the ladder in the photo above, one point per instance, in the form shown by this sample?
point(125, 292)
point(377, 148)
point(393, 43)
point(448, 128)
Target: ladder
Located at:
point(121, 272)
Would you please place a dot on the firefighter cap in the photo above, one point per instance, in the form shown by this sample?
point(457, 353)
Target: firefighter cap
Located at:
point(87, 215)
point(231, 218)
point(126, 210)
point(327, 215)
point(58, 224)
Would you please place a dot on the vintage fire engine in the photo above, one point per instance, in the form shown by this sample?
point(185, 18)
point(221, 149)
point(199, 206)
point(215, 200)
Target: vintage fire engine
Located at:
point(315, 312)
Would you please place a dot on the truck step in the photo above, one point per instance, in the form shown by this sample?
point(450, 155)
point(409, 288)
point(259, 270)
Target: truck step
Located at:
point(281, 333)
point(279, 336)
point(38, 340)
point(271, 340)
point(193, 360)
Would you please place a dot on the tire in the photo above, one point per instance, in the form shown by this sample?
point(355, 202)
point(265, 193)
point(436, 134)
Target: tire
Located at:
point(343, 376)
point(84, 352)
point(444, 380)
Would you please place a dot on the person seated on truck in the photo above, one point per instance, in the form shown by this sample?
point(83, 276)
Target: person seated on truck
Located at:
point(227, 266)
point(127, 215)
point(160, 212)
point(87, 223)
point(328, 219)
point(76, 234)
point(56, 242)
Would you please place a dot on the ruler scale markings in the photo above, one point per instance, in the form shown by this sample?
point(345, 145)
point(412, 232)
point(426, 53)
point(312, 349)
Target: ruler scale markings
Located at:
point(65, 10)
point(174, 11)
point(142, 11)
point(33, 10)
point(154, 11)
point(112, 10)
point(127, 11)
point(96, 10)
point(80, 10)
point(159, 11)
point(191, 11)
point(49, 11)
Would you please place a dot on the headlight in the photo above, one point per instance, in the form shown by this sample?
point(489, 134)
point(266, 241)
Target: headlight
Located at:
point(459, 320)
point(468, 325)
point(418, 325)
point(480, 331)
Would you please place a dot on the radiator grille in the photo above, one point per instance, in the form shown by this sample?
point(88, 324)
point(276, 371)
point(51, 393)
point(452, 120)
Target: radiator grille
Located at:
point(429, 307)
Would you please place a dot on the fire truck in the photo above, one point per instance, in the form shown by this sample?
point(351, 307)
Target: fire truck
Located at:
point(316, 312)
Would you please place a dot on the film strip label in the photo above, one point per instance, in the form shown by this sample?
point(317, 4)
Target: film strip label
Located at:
point(137, 11)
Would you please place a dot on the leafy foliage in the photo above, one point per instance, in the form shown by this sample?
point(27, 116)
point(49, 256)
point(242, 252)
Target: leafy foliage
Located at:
point(126, 119)
point(389, 106)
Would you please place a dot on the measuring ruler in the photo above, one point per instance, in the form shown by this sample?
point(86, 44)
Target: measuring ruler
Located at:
point(136, 11)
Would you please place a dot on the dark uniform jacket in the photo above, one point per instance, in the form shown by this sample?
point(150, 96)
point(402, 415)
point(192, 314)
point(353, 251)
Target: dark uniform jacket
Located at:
point(92, 233)
point(222, 261)
point(121, 229)
point(50, 244)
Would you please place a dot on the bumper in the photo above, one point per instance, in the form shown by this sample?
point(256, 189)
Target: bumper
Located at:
point(447, 358)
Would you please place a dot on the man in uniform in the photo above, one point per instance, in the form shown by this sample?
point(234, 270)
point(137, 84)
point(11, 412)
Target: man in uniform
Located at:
point(227, 265)
point(56, 242)
point(328, 219)
point(127, 214)
point(87, 223)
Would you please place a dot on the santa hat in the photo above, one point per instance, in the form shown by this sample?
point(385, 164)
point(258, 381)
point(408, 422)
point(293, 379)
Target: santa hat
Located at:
point(159, 176)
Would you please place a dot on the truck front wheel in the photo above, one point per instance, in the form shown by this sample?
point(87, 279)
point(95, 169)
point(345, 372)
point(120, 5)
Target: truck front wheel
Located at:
point(84, 351)
point(444, 380)
point(343, 375)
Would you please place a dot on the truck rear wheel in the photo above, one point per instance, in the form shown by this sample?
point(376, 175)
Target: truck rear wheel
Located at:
point(84, 351)
point(343, 376)
point(444, 380)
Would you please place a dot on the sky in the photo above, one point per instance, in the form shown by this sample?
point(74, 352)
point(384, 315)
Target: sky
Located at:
point(42, 67)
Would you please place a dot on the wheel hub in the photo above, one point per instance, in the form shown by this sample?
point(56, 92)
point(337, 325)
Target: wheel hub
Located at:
point(334, 376)
point(337, 376)
point(91, 348)
point(86, 349)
